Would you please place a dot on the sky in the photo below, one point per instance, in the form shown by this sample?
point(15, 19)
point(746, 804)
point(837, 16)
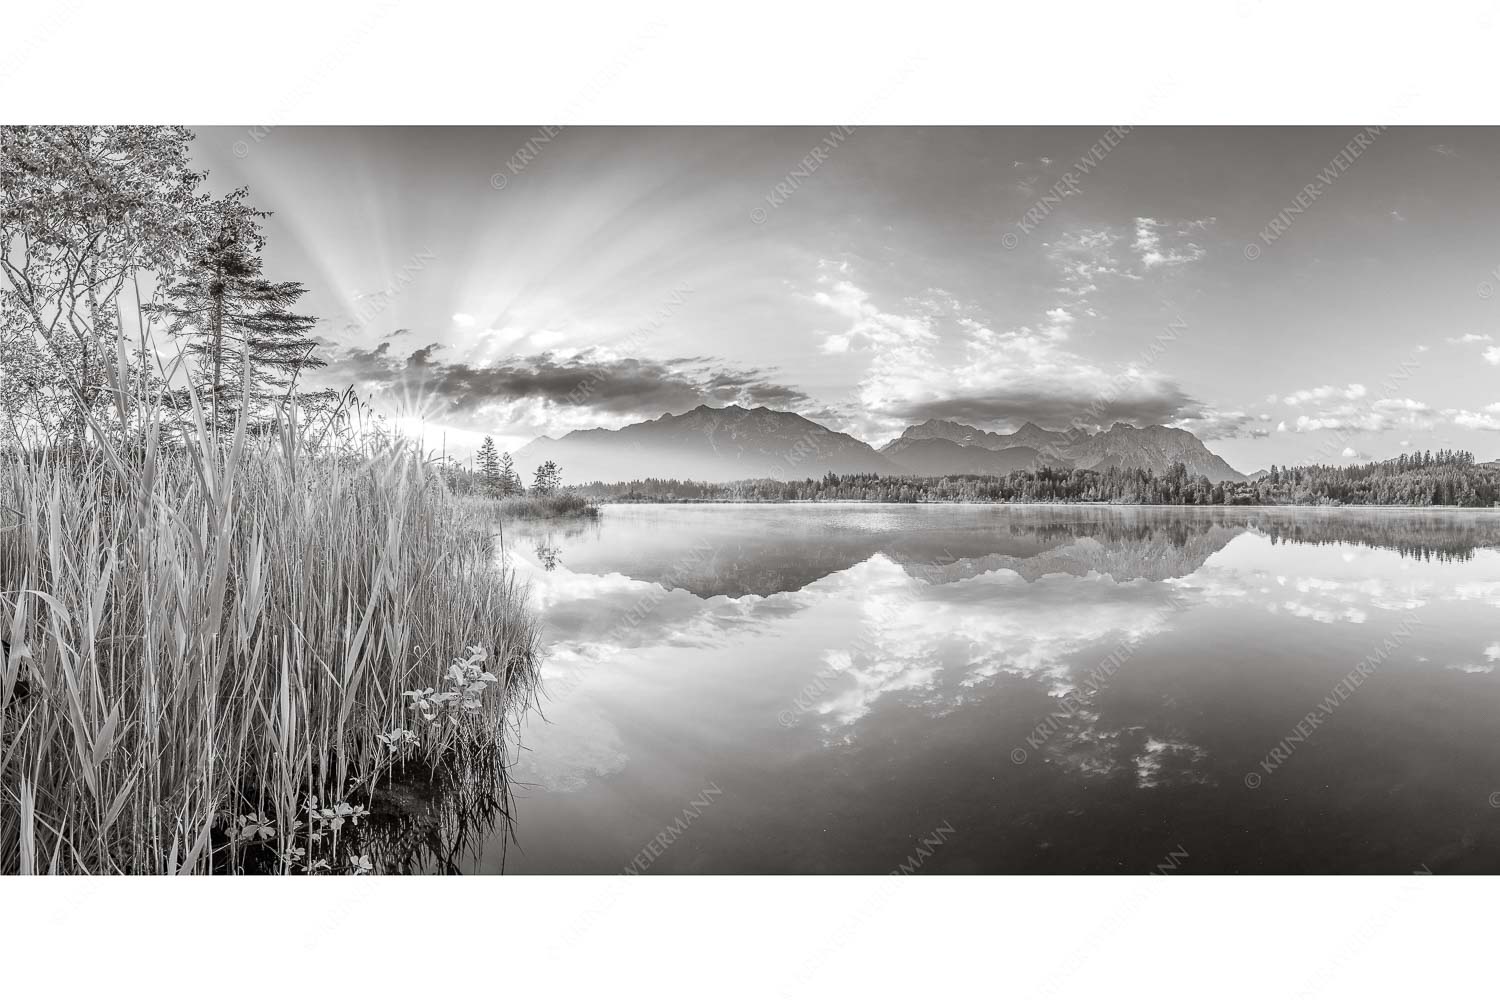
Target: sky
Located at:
point(1289, 295)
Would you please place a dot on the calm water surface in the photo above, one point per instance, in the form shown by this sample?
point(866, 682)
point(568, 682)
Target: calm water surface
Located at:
point(1026, 689)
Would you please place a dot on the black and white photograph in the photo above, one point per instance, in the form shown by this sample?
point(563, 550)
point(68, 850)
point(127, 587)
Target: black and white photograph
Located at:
point(1099, 521)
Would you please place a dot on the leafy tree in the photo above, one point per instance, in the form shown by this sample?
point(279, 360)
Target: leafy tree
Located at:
point(548, 478)
point(86, 213)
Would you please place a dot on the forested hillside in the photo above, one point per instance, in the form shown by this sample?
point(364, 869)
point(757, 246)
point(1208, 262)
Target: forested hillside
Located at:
point(1443, 478)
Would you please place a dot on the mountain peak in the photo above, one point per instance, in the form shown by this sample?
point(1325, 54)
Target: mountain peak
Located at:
point(720, 443)
point(711, 443)
point(930, 424)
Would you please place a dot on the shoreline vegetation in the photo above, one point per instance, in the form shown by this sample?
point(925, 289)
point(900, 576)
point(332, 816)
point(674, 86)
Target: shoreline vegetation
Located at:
point(216, 655)
point(555, 505)
point(626, 502)
point(1424, 479)
point(235, 612)
point(494, 486)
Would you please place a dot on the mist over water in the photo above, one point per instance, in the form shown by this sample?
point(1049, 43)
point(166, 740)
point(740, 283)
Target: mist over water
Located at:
point(820, 688)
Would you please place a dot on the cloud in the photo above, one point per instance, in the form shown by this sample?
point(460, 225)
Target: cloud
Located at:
point(592, 380)
point(1085, 257)
point(1381, 415)
point(1056, 403)
point(463, 320)
point(978, 374)
point(1487, 419)
point(1323, 393)
point(869, 327)
point(1176, 250)
point(1490, 354)
point(1209, 424)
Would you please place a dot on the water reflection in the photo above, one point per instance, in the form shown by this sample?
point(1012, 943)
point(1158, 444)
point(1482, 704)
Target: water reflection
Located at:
point(763, 549)
point(437, 821)
point(547, 554)
point(1083, 687)
point(547, 538)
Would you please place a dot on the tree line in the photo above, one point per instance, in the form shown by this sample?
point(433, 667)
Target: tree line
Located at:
point(1443, 478)
point(494, 475)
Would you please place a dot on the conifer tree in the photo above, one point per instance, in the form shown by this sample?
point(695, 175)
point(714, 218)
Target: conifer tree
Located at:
point(547, 478)
point(510, 482)
point(238, 325)
point(489, 468)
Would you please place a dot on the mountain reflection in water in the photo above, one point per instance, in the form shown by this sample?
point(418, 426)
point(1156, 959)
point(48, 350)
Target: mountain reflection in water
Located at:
point(1070, 688)
point(708, 553)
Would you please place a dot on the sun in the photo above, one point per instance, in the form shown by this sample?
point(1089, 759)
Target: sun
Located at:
point(414, 414)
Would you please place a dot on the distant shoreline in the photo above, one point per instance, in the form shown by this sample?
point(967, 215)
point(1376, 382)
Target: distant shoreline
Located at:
point(664, 502)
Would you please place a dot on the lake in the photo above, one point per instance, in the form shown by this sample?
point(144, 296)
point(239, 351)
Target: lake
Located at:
point(1013, 689)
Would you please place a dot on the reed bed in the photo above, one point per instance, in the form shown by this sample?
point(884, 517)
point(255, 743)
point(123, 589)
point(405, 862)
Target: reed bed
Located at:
point(215, 651)
point(545, 506)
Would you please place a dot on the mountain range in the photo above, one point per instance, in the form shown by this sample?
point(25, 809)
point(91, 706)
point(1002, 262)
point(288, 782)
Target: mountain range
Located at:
point(731, 442)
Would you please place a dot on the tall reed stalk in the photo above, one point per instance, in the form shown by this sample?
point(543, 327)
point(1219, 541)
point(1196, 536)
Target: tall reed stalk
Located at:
point(201, 630)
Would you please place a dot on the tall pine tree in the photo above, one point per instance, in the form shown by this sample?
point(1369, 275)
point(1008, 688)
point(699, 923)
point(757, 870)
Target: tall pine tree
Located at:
point(489, 468)
point(241, 333)
point(510, 483)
